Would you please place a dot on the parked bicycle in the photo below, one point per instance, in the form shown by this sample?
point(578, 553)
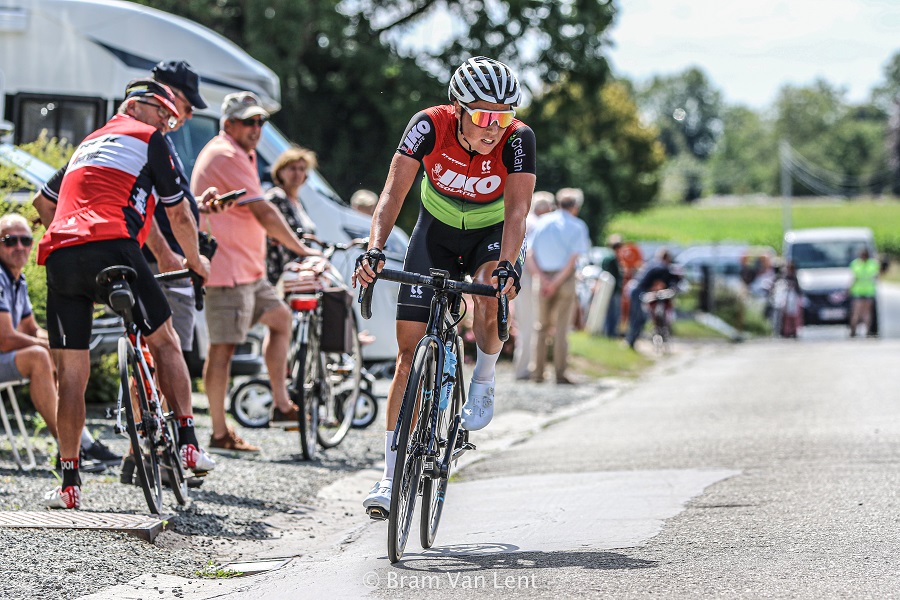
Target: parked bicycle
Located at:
point(659, 304)
point(151, 429)
point(428, 437)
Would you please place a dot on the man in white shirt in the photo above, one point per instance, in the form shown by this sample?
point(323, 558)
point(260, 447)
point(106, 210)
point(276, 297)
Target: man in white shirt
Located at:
point(526, 301)
point(560, 237)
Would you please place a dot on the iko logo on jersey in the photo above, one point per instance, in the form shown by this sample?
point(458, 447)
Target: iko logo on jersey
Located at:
point(415, 291)
point(452, 181)
point(493, 246)
point(415, 136)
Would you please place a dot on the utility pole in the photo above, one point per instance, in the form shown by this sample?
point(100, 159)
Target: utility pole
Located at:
point(784, 153)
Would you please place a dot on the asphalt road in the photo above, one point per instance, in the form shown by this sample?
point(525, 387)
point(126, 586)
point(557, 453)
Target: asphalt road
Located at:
point(762, 470)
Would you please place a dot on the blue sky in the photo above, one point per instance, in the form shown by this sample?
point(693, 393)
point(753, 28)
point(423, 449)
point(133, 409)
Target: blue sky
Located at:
point(750, 49)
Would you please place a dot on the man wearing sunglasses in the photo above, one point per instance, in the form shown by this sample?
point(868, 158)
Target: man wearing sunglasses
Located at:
point(98, 211)
point(479, 164)
point(238, 292)
point(24, 351)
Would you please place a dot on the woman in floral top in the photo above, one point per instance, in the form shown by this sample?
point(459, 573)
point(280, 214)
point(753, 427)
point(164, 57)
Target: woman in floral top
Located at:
point(289, 174)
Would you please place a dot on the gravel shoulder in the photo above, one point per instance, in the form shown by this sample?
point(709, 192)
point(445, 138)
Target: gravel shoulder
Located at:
point(266, 505)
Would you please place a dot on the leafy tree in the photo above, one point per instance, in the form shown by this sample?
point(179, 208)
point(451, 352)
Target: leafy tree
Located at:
point(350, 84)
point(687, 110)
point(553, 40)
point(841, 146)
point(745, 160)
point(887, 98)
point(607, 150)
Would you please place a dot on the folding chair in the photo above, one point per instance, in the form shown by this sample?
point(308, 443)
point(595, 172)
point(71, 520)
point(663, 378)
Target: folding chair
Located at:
point(14, 439)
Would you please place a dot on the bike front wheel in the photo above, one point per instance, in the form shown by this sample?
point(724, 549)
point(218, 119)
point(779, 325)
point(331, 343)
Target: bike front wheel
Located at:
point(420, 388)
point(140, 425)
point(434, 487)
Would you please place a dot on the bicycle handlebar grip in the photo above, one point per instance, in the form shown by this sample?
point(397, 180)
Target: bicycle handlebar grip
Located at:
point(199, 290)
point(365, 294)
point(502, 310)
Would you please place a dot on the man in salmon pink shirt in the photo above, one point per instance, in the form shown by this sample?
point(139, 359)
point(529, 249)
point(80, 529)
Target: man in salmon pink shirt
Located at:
point(238, 293)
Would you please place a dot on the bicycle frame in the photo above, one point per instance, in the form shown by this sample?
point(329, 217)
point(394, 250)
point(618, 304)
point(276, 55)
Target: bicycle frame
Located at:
point(444, 300)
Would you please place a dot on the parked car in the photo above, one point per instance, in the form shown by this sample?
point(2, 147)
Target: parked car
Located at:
point(728, 262)
point(822, 257)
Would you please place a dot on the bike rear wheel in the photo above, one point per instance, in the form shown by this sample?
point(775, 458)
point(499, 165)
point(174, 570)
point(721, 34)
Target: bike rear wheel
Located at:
point(420, 390)
point(337, 403)
point(140, 426)
point(434, 488)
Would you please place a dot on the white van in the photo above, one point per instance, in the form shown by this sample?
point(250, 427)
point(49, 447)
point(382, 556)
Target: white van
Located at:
point(64, 65)
point(822, 256)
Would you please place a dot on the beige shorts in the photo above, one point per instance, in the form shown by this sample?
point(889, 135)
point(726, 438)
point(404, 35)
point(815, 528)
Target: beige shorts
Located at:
point(230, 312)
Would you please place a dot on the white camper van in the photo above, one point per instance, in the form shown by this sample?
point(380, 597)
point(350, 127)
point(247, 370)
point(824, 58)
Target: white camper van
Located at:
point(64, 65)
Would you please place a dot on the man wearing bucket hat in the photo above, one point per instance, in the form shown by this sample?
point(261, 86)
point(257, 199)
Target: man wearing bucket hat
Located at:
point(96, 210)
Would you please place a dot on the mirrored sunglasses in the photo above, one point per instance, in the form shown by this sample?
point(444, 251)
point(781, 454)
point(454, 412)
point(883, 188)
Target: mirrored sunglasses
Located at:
point(483, 118)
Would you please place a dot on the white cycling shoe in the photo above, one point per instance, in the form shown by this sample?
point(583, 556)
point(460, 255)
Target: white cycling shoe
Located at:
point(479, 408)
point(196, 459)
point(378, 502)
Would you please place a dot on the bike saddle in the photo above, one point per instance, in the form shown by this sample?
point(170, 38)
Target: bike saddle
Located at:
point(115, 280)
point(110, 274)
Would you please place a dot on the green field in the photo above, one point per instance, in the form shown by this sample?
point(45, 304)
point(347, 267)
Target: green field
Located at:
point(760, 224)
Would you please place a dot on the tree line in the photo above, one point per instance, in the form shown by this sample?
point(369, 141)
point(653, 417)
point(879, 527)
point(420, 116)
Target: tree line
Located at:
point(354, 71)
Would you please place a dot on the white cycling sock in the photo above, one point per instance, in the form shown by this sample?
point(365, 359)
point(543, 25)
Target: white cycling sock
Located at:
point(86, 439)
point(485, 365)
point(390, 456)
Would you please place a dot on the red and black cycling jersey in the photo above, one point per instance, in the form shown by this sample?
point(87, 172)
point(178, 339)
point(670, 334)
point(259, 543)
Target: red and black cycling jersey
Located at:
point(465, 189)
point(110, 186)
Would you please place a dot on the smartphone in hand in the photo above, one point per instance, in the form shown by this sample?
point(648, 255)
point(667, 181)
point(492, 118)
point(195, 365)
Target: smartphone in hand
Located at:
point(229, 197)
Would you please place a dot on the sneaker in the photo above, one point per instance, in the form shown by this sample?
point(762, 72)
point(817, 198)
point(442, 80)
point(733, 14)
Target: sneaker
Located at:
point(100, 453)
point(196, 459)
point(85, 464)
point(64, 498)
point(479, 408)
point(378, 502)
point(289, 421)
point(230, 442)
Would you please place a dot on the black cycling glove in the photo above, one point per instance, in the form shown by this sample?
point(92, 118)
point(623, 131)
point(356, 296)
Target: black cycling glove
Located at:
point(505, 265)
point(373, 256)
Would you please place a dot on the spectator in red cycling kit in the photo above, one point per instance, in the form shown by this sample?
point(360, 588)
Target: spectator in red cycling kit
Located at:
point(101, 204)
point(479, 163)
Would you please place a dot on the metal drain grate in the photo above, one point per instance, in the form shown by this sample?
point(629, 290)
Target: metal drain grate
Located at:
point(143, 526)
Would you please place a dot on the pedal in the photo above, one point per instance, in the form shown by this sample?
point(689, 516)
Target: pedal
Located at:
point(376, 513)
point(468, 446)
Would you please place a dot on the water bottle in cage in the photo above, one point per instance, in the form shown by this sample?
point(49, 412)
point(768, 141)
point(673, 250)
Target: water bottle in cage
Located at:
point(449, 377)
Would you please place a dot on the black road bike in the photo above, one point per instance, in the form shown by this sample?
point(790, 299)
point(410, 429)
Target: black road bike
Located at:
point(325, 358)
point(429, 436)
point(151, 429)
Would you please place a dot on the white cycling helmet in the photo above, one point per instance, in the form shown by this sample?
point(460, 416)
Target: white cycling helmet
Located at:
point(482, 78)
